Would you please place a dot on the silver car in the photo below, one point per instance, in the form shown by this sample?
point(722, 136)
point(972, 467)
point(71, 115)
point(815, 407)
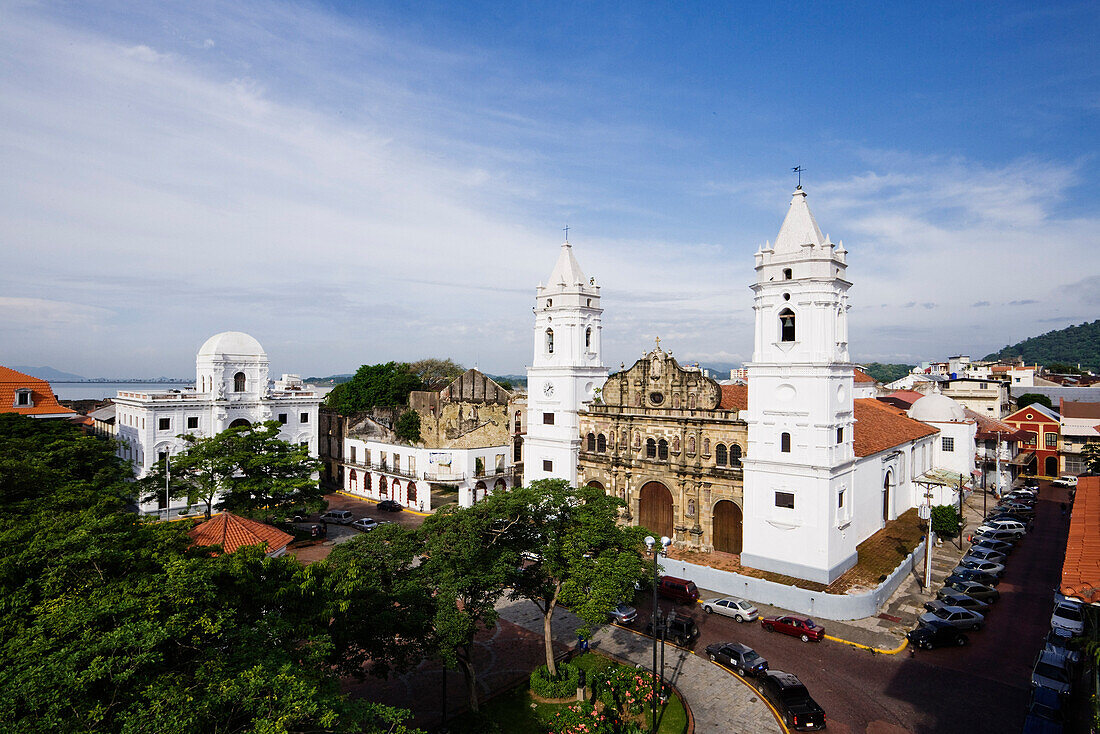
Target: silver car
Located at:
point(623, 614)
point(977, 563)
point(731, 606)
point(964, 619)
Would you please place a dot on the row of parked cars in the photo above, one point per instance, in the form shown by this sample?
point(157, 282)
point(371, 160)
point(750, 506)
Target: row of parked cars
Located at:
point(971, 588)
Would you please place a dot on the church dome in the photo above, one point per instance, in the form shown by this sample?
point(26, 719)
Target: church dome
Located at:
point(232, 344)
point(937, 408)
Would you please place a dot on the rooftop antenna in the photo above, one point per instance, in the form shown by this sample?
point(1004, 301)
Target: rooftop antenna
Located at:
point(566, 230)
point(798, 170)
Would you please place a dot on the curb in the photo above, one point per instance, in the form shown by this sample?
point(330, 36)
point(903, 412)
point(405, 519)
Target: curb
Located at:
point(375, 502)
point(904, 644)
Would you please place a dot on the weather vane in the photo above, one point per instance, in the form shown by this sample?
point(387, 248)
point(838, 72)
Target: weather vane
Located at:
point(566, 229)
point(798, 170)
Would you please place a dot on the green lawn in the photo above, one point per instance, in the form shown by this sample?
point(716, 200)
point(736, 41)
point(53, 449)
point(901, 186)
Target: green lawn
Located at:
point(515, 712)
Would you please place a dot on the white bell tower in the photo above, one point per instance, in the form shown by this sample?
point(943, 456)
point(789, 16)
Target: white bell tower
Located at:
point(799, 466)
point(566, 371)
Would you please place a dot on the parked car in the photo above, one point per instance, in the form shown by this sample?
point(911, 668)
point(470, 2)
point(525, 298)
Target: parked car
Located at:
point(1005, 523)
point(790, 697)
point(1026, 520)
point(960, 573)
point(974, 590)
point(1067, 616)
point(991, 531)
point(802, 627)
point(681, 590)
point(1066, 480)
point(623, 613)
point(1031, 482)
point(964, 619)
point(731, 606)
point(936, 634)
point(1046, 704)
point(681, 629)
point(341, 517)
point(1001, 546)
point(1061, 641)
point(953, 598)
point(1024, 497)
point(979, 553)
point(736, 656)
point(1016, 508)
point(365, 523)
point(389, 506)
point(997, 569)
point(1051, 671)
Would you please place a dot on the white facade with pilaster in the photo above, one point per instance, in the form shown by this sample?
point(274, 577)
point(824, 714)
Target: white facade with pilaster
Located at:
point(566, 372)
point(800, 460)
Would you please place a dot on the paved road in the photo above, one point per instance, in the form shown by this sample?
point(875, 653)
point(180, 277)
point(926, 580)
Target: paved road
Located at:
point(981, 687)
point(341, 533)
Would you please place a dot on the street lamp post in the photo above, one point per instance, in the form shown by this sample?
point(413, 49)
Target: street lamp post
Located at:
point(651, 545)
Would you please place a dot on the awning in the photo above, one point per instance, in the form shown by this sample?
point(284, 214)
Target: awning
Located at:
point(1023, 458)
point(943, 477)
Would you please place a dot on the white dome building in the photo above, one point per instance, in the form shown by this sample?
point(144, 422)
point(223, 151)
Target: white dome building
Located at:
point(955, 448)
point(232, 388)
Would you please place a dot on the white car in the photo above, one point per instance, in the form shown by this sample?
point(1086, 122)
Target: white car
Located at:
point(365, 523)
point(1067, 616)
point(731, 606)
point(1066, 480)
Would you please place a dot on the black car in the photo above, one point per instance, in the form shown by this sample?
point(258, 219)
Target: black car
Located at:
point(975, 590)
point(679, 628)
point(971, 574)
point(935, 634)
point(793, 701)
point(954, 598)
point(389, 506)
point(1046, 704)
point(741, 658)
point(1001, 546)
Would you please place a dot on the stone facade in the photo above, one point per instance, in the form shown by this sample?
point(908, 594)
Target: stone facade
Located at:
point(669, 441)
point(471, 412)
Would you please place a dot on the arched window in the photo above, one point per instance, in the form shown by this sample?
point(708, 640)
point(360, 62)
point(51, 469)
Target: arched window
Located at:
point(382, 487)
point(735, 455)
point(351, 480)
point(592, 442)
point(786, 325)
point(676, 444)
point(637, 440)
point(601, 444)
point(588, 338)
point(549, 341)
point(720, 455)
point(785, 443)
point(238, 382)
point(662, 450)
point(676, 401)
point(691, 445)
point(691, 401)
point(366, 482)
point(650, 448)
point(787, 273)
point(412, 491)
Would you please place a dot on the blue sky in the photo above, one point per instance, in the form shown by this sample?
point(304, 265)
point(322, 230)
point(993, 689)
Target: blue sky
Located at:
point(360, 182)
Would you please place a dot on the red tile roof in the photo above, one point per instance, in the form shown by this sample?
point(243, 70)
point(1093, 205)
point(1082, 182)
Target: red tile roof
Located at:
point(880, 426)
point(734, 397)
point(42, 397)
point(906, 396)
point(1081, 569)
point(1074, 409)
point(232, 532)
point(989, 428)
point(860, 376)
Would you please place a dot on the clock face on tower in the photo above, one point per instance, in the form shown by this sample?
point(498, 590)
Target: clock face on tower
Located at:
point(548, 389)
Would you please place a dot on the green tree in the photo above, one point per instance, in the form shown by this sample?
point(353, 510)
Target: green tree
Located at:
point(375, 385)
point(408, 427)
point(1031, 397)
point(887, 372)
point(270, 475)
point(1091, 454)
point(197, 474)
point(946, 520)
point(437, 371)
point(470, 556)
point(585, 558)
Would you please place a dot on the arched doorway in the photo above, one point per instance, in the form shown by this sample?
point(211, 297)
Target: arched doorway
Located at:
point(596, 484)
point(655, 508)
point(382, 489)
point(395, 492)
point(1052, 466)
point(886, 497)
point(240, 423)
point(479, 491)
point(352, 483)
point(728, 522)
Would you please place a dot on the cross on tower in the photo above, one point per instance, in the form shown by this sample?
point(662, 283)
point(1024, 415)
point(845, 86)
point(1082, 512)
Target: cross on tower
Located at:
point(798, 170)
point(566, 229)
point(657, 339)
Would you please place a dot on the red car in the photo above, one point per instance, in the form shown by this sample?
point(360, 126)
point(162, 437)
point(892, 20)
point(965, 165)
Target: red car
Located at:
point(802, 627)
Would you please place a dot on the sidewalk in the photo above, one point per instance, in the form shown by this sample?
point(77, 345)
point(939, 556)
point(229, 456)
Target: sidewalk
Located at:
point(719, 701)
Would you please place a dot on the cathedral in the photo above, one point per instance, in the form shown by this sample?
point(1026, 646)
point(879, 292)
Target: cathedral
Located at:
point(790, 473)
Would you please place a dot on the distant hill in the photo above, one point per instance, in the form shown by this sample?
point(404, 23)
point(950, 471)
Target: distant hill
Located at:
point(514, 380)
point(887, 372)
point(46, 373)
point(330, 380)
point(1072, 345)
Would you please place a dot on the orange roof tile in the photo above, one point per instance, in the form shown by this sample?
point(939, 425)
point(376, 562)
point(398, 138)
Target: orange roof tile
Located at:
point(1081, 569)
point(734, 397)
point(880, 426)
point(232, 532)
point(42, 397)
point(860, 376)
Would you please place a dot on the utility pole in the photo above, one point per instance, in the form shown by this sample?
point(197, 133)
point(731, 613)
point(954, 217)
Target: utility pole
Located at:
point(961, 512)
point(925, 513)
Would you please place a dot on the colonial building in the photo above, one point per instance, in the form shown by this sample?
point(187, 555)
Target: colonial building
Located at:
point(669, 441)
point(566, 371)
point(1042, 430)
point(1080, 426)
point(232, 388)
point(466, 443)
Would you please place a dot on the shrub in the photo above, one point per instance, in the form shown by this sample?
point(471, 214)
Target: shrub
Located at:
point(583, 718)
point(946, 520)
point(625, 689)
point(408, 427)
point(561, 687)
